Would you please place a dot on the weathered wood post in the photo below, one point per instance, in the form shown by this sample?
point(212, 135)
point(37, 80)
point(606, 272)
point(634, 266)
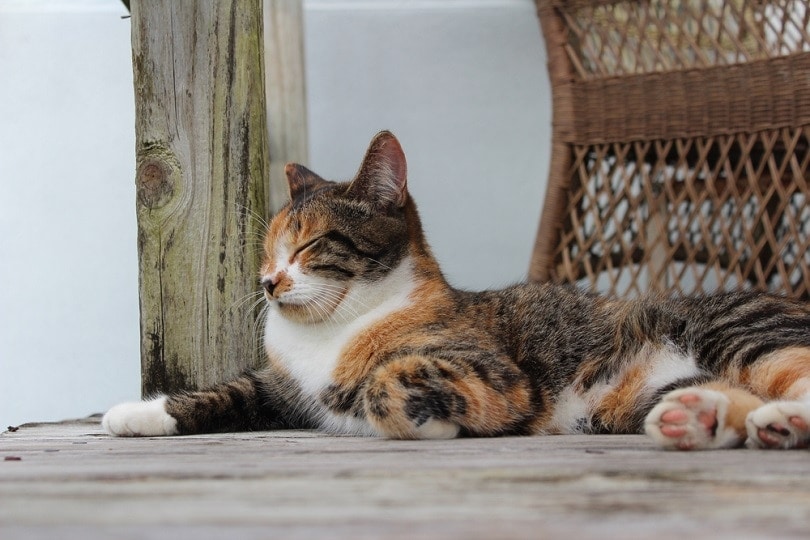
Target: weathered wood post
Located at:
point(202, 172)
point(286, 91)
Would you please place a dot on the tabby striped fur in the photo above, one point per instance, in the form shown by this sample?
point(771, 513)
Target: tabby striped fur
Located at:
point(365, 336)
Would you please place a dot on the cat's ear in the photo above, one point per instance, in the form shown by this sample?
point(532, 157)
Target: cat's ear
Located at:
point(382, 178)
point(301, 180)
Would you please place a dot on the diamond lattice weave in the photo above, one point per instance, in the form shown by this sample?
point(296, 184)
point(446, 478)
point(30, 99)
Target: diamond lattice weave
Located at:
point(680, 146)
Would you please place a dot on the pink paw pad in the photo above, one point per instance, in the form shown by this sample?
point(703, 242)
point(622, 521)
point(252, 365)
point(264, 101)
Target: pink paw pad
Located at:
point(769, 437)
point(799, 423)
point(688, 419)
point(706, 418)
point(781, 424)
point(673, 423)
point(688, 399)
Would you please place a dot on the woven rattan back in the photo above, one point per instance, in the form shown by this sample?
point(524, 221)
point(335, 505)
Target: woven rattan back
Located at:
point(680, 156)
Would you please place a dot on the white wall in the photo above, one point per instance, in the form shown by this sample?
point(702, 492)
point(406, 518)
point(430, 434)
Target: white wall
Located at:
point(68, 265)
point(461, 83)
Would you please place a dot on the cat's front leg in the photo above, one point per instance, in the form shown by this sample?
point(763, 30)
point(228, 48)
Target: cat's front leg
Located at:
point(416, 397)
point(255, 401)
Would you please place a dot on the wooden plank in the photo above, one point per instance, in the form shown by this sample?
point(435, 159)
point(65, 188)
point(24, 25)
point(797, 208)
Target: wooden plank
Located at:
point(73, 481)
point(286, 92)
point(202, 169)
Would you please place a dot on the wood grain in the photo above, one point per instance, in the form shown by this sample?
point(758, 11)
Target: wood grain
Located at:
point(202, 170)
point(73, 481)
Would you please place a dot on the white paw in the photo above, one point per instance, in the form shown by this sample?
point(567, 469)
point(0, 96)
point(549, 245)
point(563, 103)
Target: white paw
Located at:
point(779, 424)
point(691, 419)
point(140, 419)
point(437, 429)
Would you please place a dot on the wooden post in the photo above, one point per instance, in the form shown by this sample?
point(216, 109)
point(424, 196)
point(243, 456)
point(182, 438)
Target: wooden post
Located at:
point(202, 169)
point(286, 91)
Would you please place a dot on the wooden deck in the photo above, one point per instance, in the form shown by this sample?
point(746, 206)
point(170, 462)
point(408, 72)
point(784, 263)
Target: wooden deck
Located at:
point(69, 481)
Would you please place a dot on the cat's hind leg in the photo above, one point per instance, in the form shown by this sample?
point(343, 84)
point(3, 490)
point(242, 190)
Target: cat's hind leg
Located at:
point(701, 417)
point(779, 424)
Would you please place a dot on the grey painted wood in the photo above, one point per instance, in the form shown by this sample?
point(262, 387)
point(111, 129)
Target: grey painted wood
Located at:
point(72, 481)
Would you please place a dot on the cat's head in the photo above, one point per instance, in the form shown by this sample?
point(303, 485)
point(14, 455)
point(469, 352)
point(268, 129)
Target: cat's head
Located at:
point(335, 236)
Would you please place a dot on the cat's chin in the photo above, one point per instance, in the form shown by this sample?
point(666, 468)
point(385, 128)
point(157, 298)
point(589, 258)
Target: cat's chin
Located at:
point(298, 313)
point(310, 312)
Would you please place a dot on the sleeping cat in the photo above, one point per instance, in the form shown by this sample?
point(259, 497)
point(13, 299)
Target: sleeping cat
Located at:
point(364, 336)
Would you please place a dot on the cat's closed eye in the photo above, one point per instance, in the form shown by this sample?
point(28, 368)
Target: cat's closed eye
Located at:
point(306, 247)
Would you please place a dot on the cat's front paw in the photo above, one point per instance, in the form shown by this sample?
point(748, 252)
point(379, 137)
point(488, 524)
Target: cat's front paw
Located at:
point(779, 424)
point(692, 419)
point(140, 419)
point(407, 400)
point(437, 429)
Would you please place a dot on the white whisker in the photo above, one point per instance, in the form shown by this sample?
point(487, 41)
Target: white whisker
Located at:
point(378, 262)
point(255, 215)
point(259, 330)
point(321, 302)
point(240, 302)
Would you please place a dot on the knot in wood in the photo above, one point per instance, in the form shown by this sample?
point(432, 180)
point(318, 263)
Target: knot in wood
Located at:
point(154, 185)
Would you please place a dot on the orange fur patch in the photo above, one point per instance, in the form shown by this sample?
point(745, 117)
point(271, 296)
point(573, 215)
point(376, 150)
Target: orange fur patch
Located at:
point(489, 410)
point(588, 372)
point(783, 374)
point(741, 403)
point(618, 406)
point(396, 331)
point(486, 411)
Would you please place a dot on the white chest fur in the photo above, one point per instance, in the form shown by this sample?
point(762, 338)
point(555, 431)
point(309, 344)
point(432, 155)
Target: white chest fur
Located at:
point(311, 352)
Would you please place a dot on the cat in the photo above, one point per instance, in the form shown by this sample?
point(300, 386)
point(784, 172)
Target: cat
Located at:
point(364, 336)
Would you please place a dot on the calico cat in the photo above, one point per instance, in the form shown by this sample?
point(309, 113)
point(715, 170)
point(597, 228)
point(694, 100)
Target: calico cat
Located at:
point(364, 336)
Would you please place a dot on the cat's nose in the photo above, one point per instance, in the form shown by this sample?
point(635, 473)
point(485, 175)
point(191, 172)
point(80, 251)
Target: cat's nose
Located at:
point(269, 284)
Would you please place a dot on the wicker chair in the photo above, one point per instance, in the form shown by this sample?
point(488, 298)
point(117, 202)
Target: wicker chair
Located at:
point(680, 146)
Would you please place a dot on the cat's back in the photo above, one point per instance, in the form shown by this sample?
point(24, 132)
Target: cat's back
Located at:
point(531, 310)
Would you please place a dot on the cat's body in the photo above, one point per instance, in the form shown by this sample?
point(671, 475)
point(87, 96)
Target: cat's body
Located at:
point(364, 336)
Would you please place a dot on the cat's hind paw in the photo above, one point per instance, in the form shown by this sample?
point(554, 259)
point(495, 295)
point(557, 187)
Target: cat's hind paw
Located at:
point(779, 424)
point(691, 419)
point(140, 419)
